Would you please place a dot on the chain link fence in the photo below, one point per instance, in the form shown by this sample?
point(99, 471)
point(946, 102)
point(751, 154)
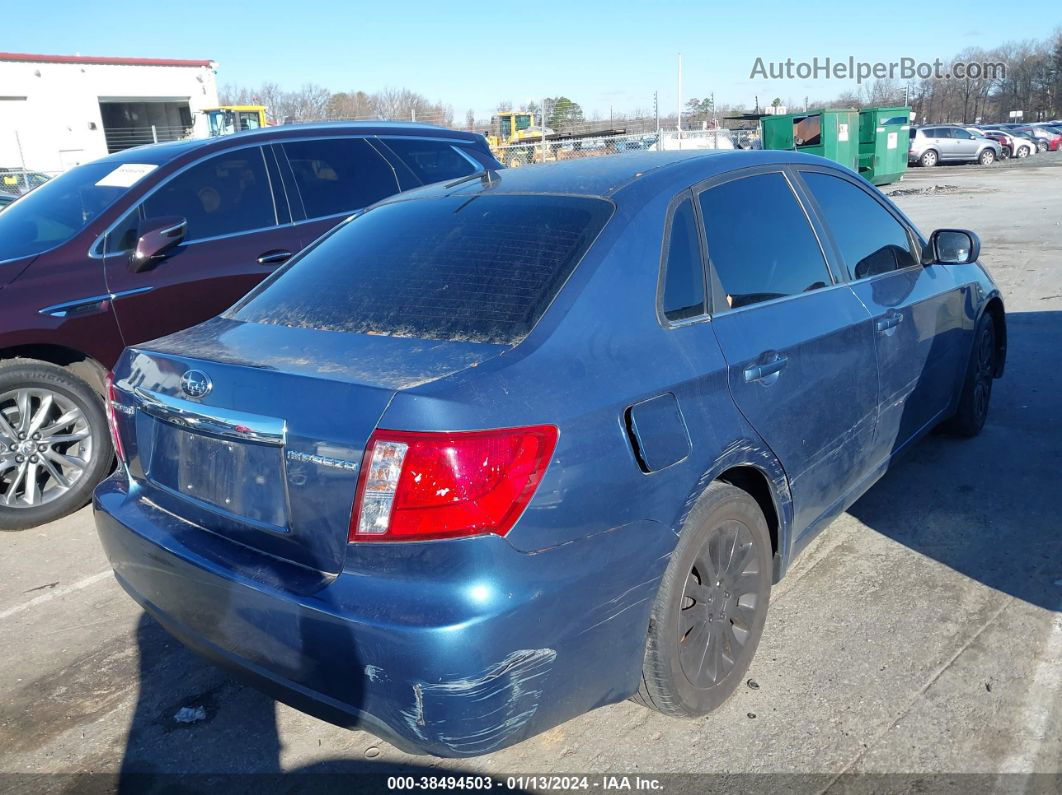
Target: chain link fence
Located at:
point(533, 142)
point(16, 181)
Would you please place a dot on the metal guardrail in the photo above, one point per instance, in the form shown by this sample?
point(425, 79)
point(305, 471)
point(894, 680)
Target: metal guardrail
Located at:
point(119, 138)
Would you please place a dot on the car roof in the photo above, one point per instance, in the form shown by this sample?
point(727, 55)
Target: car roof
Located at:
point(614, 175)
point(157, 154)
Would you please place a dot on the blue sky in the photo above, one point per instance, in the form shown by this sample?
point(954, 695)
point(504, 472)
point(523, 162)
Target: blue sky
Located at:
point(472, 55)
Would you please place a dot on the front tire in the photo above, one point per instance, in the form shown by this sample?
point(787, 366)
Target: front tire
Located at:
point(987, 157)
point(928, 159)
point(709, 612)
point(1023, 152)
point(976, 393)
point(54, 443)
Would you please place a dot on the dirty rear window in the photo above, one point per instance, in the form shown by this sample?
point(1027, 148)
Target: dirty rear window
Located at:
point(456, 268)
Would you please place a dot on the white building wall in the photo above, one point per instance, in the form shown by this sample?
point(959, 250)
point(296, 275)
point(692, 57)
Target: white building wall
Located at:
point(55, 107)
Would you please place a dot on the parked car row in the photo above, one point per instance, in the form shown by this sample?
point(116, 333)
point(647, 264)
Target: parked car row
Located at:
point(931, 145)
point(502, 450)
point(377, 483)
point(174, 234)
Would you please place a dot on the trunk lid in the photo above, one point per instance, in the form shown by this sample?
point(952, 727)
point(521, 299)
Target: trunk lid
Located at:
point(262, 442)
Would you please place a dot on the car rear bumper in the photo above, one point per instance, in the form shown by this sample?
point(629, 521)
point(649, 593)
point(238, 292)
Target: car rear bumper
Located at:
point(503, 646)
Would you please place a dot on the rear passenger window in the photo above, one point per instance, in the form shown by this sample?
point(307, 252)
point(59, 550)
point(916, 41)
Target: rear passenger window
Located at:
point(760, 243)
point(683, 271)
point(432, 161)
point(224, 195)
point(339, 175)
point(871, 240)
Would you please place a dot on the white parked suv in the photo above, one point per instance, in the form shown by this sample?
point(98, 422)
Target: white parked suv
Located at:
point(948, 143)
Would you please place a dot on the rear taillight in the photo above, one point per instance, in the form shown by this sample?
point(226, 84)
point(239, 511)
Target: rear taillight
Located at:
point(421, 486)
point(112, 419)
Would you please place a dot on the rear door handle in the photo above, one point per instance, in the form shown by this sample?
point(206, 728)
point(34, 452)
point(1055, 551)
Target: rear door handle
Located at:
point(762, 372)
point(889, 321)
point(274, 257)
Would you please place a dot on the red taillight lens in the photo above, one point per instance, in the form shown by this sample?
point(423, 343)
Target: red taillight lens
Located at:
point(112, 419)
point(420, 486)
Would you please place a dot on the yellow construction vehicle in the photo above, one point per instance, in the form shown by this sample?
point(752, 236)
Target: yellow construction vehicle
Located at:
point(516, 140)
point(509, 127)
point(228, 119)
point(512, 137)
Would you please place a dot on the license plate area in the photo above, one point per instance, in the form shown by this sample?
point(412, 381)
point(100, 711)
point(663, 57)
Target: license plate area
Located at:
point(244, 479)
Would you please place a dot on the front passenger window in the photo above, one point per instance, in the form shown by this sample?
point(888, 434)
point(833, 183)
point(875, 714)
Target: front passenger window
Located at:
point(871, 240)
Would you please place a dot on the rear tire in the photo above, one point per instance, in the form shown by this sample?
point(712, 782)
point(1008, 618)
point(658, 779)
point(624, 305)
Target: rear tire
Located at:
point(1041, 146)
point(709, 612)
point(987, 157)
point(928, 159)
point(976, 393)
point(61, 417)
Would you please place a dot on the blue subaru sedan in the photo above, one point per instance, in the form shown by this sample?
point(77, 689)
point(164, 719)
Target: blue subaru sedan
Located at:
point(497, 452)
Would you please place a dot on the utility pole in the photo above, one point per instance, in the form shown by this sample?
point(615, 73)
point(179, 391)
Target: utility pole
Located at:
point(907, 94)
point(542, 124)
point(679, 102)
point(656, 111)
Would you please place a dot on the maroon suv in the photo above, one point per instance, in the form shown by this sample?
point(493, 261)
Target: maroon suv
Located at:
point(152, 240)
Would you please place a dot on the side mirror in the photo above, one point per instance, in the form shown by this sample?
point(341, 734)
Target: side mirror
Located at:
point(953, 247)
point(155, 237)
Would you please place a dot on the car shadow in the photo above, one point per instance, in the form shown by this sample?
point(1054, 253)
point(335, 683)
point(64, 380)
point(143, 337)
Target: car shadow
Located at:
point(197, 728)
point(984, 507)
point(988, 507)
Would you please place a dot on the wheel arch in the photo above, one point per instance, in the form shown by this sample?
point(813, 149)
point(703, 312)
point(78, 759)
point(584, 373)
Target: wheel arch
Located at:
point(994, 308)
point(751, 467)
point(77, 362)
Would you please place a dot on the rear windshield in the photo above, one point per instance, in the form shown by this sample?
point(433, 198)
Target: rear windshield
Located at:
point(456, 268)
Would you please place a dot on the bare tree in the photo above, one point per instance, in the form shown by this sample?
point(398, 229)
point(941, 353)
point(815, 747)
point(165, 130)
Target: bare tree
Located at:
point(349, 105)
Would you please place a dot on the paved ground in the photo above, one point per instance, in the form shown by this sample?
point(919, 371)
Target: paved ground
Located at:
point(922, 633)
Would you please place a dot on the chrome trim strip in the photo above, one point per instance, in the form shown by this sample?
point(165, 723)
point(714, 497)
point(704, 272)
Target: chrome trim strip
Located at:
point(238, 425)
point(75, 307)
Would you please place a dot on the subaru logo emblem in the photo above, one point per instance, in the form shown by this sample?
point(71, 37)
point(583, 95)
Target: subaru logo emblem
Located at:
point(196, 383)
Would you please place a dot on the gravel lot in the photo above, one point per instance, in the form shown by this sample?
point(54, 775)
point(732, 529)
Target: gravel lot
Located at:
point(921, 634)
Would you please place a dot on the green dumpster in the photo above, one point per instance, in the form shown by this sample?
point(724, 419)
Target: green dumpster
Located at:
point(884, 138)
point(830, 133)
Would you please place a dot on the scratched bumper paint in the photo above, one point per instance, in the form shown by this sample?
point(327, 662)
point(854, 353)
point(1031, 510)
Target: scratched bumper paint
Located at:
point(460, 665)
